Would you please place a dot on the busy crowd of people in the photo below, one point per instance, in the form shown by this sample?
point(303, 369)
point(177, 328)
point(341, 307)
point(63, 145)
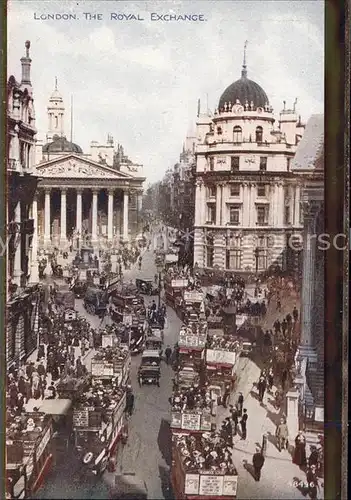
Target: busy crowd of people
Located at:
point(192, 398)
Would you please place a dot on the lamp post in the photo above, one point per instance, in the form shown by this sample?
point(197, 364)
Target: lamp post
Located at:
point(159, 268)
point(257, 251)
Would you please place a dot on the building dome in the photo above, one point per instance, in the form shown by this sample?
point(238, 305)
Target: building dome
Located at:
point(61, 145)
point(244, 90)
point(56, 96)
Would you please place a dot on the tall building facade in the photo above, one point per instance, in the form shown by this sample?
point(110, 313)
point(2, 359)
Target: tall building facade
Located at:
point(247, 197)
point(22, 290)
point(308, 166)
point(96, 195)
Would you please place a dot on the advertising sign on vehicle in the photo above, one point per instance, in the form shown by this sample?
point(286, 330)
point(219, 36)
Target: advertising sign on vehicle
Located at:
point(193, 296)
point(230, 485)
point(107, 340)
point(82, 274)
point(211, 486)
point(176, 419)
point(220, 357)
point(42, 445)
point(192, 482)
point(181, 283)
point(191, 421)
point(127, 319)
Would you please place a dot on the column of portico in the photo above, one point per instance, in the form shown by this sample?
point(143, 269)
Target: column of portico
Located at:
point(94, 216)
point(297, 206)
point(218, 204)
point(125, 215)
point(79, 212)
point(306, 349)
point(224, 218)
point(47, 217)
point(110, 215)
point(34, 271)
point(63, 221)
point(17, 268)
point(281, 205)
point(198, 203)
point(253, 212)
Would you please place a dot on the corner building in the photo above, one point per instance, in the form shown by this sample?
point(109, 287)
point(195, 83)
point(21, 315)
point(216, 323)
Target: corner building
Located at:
point(247, 198)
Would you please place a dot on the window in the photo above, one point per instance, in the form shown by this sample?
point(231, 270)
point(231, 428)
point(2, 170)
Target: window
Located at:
point(261, 190)
point(219, 130)
point(212, 213)
point(259, 134)
point(237, 134)
point(234, 189)
point(212, 191)
point(212, 164)
point(233, 258)
point(262, 215)
point(56, 122)
point(261, 259)
point(234, 164)
point(209, 251)
point(234, 215)
point(288, 162)
point(263, 163)
point(286, 215)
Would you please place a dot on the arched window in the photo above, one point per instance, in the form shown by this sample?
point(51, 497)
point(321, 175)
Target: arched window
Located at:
point(56, 122)
point(259, 134)
point(237, 134)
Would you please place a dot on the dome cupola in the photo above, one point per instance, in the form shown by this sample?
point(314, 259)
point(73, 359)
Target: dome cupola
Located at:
point(244, 92)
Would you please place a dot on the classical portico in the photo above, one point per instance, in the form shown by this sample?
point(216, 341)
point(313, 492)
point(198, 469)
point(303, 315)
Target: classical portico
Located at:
point(79, 197)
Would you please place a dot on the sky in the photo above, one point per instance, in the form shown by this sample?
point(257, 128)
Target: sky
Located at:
point(140, 81)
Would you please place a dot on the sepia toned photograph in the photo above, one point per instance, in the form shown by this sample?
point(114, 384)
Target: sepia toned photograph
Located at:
point(166, 246)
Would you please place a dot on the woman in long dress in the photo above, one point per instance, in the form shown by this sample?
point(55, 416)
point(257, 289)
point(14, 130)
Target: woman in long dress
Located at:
point(299, 457)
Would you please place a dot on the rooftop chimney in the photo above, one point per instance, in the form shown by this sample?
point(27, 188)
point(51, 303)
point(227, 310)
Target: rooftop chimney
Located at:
point(25, 61)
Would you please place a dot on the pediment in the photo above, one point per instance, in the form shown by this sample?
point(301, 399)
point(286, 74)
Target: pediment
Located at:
point(74, 167)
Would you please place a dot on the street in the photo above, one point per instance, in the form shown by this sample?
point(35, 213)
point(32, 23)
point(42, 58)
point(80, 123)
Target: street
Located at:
point(147, 452)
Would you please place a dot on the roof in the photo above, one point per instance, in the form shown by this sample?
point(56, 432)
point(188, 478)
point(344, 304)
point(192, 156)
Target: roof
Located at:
point(244, 90)
point(55, 406)
point(60, 144)
point(310, 150)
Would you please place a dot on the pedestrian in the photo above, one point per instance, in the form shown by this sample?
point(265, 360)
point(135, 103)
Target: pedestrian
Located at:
point(279, 305)
point(270, 379)
point(240, 404)
point(129, 403)
point(235, 418)
point(51, 391)
point(226, 396)
point(284, 326)
point(168, 353)
point(261, 385)
point(295, 314)
point(313, 459)
point(312, 482)
point(243, 424)
point(257, 462)
point(282, 435)
point(299, 457)
point(228, 432)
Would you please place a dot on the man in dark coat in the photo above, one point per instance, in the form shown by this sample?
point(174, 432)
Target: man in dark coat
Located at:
point(258, 461)
point(168, 353)
point(262, 384)
point(243, 423)
point(129, 403)
point(240, 404)
point(234, 415)
point(312, 481)
point(295, 314)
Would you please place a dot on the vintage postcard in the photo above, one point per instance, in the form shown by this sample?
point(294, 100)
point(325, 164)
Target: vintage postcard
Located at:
point(174, 248)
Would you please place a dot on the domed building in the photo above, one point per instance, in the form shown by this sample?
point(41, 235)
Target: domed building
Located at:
point(95, 196)
point(247, 198)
